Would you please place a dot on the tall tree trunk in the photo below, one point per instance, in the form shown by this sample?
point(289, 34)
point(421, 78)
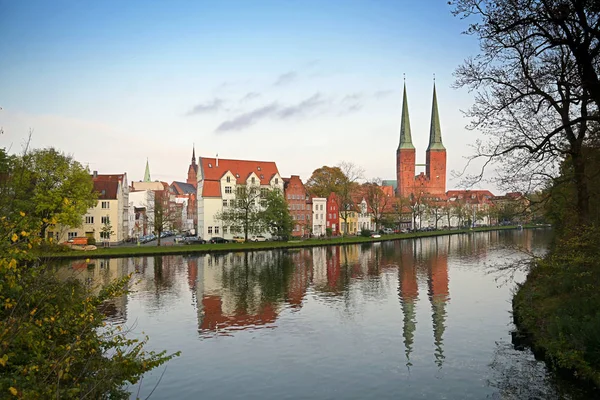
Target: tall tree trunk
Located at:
point(583, 196)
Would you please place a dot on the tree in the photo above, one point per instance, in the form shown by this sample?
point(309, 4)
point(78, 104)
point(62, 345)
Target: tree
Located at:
point(54, 342)
point(324, 181)
point(243, 214)
point(341, 180)
point(377, 200)
point(538, 88)
point(434, 208)
point(106, 231)
point(164, 214)
point(276, 216)
point(51, 188)
point(347, 186)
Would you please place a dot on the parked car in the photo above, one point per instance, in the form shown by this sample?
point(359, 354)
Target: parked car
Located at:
point(388, 231)
point(218, 239)
point(179, 239)
point(194, 240)
point(258, 238)
point(375, 235)
point(238, 239)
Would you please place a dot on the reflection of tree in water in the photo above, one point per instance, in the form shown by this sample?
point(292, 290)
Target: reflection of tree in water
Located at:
point(260, 279)
point(518, 375)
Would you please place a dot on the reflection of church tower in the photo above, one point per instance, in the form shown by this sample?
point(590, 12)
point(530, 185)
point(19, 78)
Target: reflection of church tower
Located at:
point(438, 296)
point(408, 292)
point(192, 178)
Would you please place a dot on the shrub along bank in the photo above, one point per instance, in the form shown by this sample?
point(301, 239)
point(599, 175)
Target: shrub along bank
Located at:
point(123, 251)
point(558, 307)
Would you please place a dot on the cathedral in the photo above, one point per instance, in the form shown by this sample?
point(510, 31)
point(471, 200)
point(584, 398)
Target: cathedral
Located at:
point(432, 182)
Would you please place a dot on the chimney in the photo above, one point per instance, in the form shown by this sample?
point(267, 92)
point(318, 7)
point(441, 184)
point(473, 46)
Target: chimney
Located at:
point(95, 174)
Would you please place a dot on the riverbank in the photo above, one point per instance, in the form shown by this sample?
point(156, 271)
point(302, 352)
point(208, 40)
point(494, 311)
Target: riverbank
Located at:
point(557, 308)
point(123, 251)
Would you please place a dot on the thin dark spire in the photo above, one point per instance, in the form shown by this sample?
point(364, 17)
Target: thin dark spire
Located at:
point(435, 131)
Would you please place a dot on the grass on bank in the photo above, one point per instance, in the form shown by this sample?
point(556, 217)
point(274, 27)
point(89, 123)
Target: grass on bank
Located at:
point(558, 306)
point(127, 251)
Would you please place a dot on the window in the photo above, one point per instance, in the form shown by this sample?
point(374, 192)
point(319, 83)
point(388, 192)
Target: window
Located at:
point(106, 220)
point(228, 179)
point(216, 230)
point(263, 203)
point(264, 192)
point(209, 165)
point(258, 168)
point(72, 235)
point(228, 189)
point(276, 181)
point(224, 202)
point(105, 235)
point(252, 180)
point(224, 230)
point(89, 219)
point(240, 203)
point(210, 230)
point(105, 204)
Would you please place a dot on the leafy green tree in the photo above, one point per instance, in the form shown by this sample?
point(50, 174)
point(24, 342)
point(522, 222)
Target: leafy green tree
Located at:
point(324, 181)
point(54, 342)
point(51, 188)
point(276, 216)
point(243, 214)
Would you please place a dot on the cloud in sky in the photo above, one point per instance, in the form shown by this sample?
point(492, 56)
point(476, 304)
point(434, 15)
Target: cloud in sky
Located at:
point(273, 110)
point(286, 78)
point(380, 94)
point(213, 105)
point(249, 96)
point(247, 119)
point(352, 102)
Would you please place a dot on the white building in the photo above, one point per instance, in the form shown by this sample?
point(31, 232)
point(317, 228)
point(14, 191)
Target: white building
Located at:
point(217, 183)
point(365, 219)
point(319, 205)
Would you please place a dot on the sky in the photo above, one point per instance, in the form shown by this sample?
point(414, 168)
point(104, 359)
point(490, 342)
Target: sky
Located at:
point(302, 83)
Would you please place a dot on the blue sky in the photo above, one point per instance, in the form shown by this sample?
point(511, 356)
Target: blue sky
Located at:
point(302, 83)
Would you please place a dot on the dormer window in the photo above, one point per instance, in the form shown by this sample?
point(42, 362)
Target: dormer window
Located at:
point(252, 180)
point(237, 175)
point(209, 165)
point(262, 176)
point(277, 181)
point(258, 168)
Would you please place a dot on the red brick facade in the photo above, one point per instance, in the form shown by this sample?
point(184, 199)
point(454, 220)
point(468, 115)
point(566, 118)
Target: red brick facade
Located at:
point(299, 205)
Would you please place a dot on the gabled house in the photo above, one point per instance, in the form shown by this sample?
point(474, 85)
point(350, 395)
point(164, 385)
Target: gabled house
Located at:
point(112, 209)
point(299, 205)
point(218, 180)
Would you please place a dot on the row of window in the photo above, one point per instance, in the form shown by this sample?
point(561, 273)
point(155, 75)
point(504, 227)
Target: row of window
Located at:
point(231, 203)
point(301, 217)
point(292, 196)
point(89, 219)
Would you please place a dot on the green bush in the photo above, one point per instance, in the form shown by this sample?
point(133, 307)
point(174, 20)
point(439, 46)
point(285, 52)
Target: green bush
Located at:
point(365, 233)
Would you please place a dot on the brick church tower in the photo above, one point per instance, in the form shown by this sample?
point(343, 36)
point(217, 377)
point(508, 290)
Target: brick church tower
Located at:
point(192, 178)
point(433, 181)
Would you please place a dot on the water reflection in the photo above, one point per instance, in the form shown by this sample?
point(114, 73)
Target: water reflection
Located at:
point(338, 298)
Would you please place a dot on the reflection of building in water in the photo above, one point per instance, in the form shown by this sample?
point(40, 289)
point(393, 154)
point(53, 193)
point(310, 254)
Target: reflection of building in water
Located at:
point(96, 274)
point(244, 290)
point(438, 293)
point(431, 255)
point(301, 277)
point(408, 290)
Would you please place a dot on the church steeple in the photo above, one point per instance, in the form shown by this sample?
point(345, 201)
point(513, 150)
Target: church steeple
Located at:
point(193, 155)
point(405, 136)
point(435, 132)
point(147, 172)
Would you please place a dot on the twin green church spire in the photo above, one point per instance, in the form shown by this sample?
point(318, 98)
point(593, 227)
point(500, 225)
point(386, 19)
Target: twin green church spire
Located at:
point(435, 131)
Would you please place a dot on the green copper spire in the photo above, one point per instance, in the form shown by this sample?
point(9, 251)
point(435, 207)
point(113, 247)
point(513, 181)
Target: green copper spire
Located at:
point(435, 132)
point(405, 137)
point(147, 173)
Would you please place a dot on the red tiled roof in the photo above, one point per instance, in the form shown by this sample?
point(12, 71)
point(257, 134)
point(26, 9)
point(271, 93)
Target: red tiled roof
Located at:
point(241, 169)
point(107, 185)
point(211, 189)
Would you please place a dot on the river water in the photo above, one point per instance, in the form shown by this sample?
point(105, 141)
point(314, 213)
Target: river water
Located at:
point(423, 318)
